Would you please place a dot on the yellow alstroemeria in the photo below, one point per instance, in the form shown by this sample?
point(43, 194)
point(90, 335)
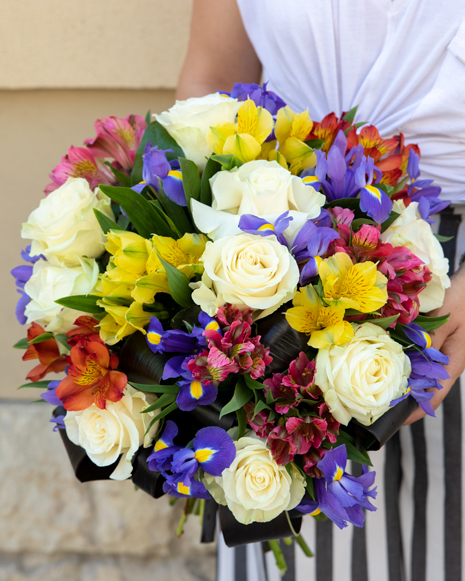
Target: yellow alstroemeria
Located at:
point(130, 251)
point(116, 282)
point(184, 254)
point(291, 130)
point(121, 321)
point(325, 325)
point(244, 139)
point(352, 286)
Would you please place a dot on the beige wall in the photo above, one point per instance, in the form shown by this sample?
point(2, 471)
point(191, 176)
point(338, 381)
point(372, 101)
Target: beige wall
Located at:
point(111, 44)
point(37, 129)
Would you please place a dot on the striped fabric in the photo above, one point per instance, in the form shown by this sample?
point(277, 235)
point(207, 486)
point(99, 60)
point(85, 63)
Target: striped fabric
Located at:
point(416, 533)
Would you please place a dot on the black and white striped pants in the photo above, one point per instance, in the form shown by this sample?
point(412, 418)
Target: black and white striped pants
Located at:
point(416, 532)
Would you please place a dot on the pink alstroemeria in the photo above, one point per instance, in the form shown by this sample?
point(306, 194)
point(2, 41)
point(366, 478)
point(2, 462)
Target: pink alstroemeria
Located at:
point(261, 423)
point(118, 139)
point(306, 432)
point(228, 314)
point(288, 395)
point(302, 375)
point(281, 445)
point(80, 163)
point(366, 238)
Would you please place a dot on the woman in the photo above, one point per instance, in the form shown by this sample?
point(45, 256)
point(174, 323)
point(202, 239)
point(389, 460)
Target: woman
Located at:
point(403, 63)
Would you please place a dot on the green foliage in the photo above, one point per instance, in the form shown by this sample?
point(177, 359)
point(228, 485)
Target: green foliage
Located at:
point(210, 170)
point(142, 214)
point(162, 414)
point(21, 344)
point(383, 322)
point(172, 389)
point(85, 303)
point(123, 178)
point(178, 283)
point(431, 323)
point(43, 384)
point(163, 400)
point(175, 212)
point(190, 180)
point(242, 394)
point(350, 115)
point(385, 225)
point(228, 161)
point(106, 223)
point(242, 422)
point(41, 338)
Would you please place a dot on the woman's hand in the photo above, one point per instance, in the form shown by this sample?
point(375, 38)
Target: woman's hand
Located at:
point(449, 339)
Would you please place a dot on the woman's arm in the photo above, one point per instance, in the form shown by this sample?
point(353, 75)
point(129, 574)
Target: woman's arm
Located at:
point(219, 52)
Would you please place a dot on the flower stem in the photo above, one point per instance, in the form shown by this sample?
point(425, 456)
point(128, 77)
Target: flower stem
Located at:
point(279, 557)
point(182, 520)
point(288, 541)
point(303, 545)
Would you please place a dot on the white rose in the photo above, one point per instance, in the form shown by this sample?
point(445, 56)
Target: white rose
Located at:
point(412, 231)
point(262, 188)
point(255, 488)
point(246, 270)
point(64, 225)
point(51, 281)
point(361, 378)
point(117, 430)
point(188, 123)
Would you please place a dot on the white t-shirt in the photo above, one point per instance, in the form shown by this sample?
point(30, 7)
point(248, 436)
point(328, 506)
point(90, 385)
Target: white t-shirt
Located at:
point(401, 61)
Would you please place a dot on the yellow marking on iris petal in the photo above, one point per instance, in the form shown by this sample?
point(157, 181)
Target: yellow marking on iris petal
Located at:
point(374, 191)
point(182, 489)
point(160, 445)
point(427, 338)
point(266, 227)
point(407, 390)
point(310, 179)
point(224, 95)
point(196, 389)
point(213, 326)
point(143, 182)
point(315, 512)
point(154, 338)
point(339, 473)
point(318, 260)
point(175, 174)
point(203, 455)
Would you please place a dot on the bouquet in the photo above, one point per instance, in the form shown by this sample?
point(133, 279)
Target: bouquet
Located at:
point(237, 297)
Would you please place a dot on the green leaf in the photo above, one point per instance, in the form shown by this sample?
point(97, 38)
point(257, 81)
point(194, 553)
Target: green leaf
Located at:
point(123, 222)
point(161, 415)
point(148, 117)
point(241, 421)
point(350, 115)
point(252, 383)
point(242, 394)
point(63, 339)
point(38, 401)
point(357, 455)
point(21, 344)
point(175, 233)
point(261, 405)
point(383, 322)
point(174, 211)
point(143, 216)
point(441, 238)
point(178, 283)
point(228, 161)
point(387, 189)
point(351, 203)
point(123, 178)
point(85, 303)
point(41, 338)
point(360, 124)
point(156, 388)
point(385, 225)
point(43, 384)
point(106, 223)
point(315, 143)
point(162, 401)
point(310, 488)
point(210, 170)
point(165, 141)
point(149, 135)
point(190, 180)
point(431, 323)
point(359, 222)
point(400, 186)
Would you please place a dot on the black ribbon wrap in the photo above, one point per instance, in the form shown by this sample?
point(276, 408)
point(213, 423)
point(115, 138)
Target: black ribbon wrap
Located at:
point(236, 534)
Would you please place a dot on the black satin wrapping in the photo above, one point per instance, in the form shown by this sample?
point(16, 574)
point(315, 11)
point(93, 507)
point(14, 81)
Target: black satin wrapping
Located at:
point(209, 522)
point(148, 481)
point(236, 534)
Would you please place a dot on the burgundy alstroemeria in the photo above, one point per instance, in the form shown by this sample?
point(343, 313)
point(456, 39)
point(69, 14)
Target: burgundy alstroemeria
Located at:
point(302, 375)
point(311, 459)
point(332, 425)
point(281, 445)
point(260, 423)
point(306, 432)
point(288, 395)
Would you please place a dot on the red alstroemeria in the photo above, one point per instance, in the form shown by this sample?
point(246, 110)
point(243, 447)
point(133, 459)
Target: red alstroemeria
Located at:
point(327, 129)
point(46, 352)
point(92, 377)
point(86, 326)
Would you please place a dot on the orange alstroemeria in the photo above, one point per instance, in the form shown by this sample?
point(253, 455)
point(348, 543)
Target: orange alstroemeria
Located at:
point(46, 352)
point(92, 377)
point(85, 325)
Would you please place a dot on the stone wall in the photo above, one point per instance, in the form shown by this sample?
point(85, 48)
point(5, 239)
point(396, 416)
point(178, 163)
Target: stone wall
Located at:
point(53, 528)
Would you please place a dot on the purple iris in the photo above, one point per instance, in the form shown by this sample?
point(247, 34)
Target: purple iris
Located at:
point(213, 450)
point(59, 422)
point(156, 167)
point(259, 95)
point(255, 225)
point(50, 395)
point(311, 242)
point(425, 194)
point(427, 370)
point(178, 341)
point(375, 203)
point(22, 274)
point(343, 175)
point(342, 497)
point(194, 392)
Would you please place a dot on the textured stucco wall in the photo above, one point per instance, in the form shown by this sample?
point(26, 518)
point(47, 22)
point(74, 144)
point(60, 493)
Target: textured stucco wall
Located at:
point(115, 44)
